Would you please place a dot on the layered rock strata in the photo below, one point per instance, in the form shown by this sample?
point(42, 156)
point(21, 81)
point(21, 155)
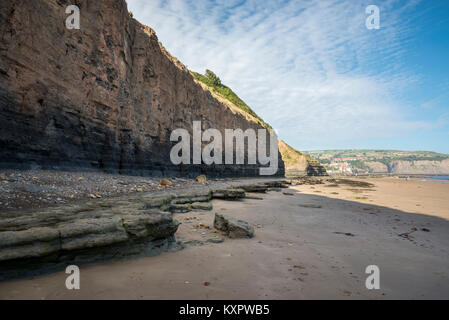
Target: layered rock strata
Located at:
point(298, 164)
point(106, 96)
point(102, 229)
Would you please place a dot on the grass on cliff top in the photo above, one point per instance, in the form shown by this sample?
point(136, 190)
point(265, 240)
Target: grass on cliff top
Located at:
point(383, 156)
point(212, 81)
point(290, 155)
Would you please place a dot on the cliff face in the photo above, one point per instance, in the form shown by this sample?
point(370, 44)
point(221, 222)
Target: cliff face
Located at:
point(365, 161)
point(106, 96)
point(419, 167)
point(377, 167)
point(411, 167)
point(297, 163)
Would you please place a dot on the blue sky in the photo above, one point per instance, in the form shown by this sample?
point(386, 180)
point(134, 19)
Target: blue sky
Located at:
point(315, 72)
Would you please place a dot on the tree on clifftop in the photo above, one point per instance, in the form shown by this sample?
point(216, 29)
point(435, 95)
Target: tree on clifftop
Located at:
point(212, 77)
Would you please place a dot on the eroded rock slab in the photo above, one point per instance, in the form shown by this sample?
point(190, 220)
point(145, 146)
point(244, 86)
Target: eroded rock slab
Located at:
point(234, 228)
point(204, 206)
point(229, 194)
point(259, 188)
point(98, 229)
point(102, 228)
point(278, 184)
point(34, 242)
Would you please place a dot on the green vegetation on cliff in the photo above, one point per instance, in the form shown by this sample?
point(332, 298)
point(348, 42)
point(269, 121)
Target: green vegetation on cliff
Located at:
point(292, 158)
point(290, 155)
point(213, 81)
point(383, 156)
point(296, 162)
point(391, 161)
point(358, 164)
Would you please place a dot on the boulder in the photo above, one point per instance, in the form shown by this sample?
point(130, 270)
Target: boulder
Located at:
point(233, 227)
point(150, 225)
point(201, 178)
point(166, 182)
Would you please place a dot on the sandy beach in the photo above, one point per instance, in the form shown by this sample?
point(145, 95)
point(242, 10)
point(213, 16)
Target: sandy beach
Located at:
point(311, 242)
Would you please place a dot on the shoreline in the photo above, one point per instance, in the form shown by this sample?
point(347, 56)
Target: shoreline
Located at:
point(25, 189)
point(318, 239)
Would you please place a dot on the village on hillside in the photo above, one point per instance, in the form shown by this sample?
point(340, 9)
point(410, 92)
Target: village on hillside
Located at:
point(359, 162)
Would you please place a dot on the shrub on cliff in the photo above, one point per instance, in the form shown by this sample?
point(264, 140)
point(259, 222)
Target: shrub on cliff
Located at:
point(212, 78)
point(214, 82)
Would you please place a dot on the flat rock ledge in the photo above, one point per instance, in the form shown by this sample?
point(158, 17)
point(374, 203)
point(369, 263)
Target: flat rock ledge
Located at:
point(34, 240)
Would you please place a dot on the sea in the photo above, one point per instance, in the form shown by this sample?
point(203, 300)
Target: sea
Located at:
point(439, 178)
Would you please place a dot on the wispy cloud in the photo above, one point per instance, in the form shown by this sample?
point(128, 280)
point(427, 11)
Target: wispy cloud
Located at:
point(309, 68)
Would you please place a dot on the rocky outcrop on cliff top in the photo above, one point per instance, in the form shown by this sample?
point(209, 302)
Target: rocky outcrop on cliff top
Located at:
point(106, 96)
point(297, 163)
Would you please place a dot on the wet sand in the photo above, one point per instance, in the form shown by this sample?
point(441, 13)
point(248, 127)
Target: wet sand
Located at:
point(312, 243)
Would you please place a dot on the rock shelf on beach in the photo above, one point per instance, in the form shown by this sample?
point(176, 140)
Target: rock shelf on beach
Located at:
point(106, 227)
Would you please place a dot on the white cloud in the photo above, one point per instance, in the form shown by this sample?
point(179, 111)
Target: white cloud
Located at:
point(309, 68)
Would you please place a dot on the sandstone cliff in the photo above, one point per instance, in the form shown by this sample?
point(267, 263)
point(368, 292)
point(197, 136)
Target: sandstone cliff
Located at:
point(106, 96)
point(419, 167)
point(431, 167)
point(364, 161)
point(297, 163)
